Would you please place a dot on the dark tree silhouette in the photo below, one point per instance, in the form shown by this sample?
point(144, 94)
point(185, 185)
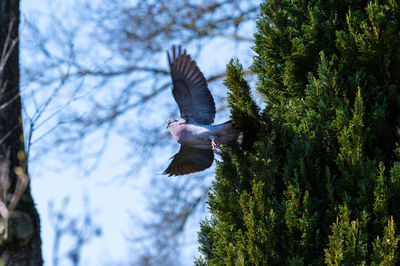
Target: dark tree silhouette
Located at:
point(20, 242)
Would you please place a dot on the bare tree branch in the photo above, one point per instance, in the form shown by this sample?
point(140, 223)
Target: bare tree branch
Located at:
point(82, 229)
point(105, 74)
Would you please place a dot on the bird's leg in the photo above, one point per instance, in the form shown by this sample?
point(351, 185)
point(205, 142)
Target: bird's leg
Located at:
point(214, 145)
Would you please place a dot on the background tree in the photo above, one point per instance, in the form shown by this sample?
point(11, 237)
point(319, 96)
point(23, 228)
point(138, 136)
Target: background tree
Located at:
point(318, 181)
point(20, 242)
point(97, 73)
point(80, 229)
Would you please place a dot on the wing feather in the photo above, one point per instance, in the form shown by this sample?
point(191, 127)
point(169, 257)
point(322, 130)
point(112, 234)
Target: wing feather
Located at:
point(190, 88)
point(189, 160)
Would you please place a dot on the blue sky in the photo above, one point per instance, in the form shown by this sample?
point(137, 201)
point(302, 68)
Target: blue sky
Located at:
point(112, 202)
point(109, 200)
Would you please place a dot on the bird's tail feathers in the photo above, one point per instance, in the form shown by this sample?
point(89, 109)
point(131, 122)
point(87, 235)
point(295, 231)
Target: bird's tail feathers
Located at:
point(228, 133)
point(239, 138)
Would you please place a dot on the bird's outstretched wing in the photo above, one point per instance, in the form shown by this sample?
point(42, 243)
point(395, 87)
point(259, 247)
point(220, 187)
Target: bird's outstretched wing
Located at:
point(189, 160)
point(190, 89)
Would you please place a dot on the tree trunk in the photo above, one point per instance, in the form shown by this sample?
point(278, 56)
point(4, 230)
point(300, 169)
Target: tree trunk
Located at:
point(22, 244)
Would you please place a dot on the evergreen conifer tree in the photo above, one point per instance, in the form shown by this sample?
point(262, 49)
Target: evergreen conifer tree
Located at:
point(317, 180)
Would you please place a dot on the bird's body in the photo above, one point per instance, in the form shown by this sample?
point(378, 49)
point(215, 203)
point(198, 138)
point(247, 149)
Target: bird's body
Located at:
point(194, 131)
point(200, 136)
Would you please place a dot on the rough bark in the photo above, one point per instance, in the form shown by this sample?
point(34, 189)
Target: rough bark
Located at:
point(23, 244)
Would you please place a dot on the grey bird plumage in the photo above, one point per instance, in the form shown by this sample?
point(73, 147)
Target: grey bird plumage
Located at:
point(194, 131)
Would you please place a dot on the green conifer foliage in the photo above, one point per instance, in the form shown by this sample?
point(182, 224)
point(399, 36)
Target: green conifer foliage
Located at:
point(317, 180)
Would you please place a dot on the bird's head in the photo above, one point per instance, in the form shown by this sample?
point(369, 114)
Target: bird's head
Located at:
point(169, 122)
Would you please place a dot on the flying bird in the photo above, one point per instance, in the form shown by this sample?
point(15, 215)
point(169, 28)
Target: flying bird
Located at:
point(194, 130)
